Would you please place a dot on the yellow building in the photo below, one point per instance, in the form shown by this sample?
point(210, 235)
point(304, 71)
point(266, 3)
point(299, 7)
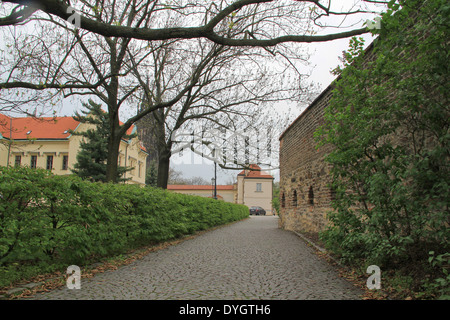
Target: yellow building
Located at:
point(47, 143)
point(253, 188)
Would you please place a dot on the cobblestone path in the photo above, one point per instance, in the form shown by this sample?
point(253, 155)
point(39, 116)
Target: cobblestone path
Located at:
point(250, 259)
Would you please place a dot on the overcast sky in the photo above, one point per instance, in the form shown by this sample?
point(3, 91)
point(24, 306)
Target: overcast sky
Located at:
point(325, 56)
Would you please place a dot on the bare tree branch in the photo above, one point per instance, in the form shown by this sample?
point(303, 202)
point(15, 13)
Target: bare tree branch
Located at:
point(18, 15)
point(107, 29)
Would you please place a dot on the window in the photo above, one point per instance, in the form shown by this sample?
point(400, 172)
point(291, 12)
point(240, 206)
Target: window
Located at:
point(133, 166)
point(49, 162)
point(65, 162)
point(139, 168)
point(294, 198)
point(259, 187)
point(311, 196)
point(17, 161)
point(283, 200)
point(33, 162)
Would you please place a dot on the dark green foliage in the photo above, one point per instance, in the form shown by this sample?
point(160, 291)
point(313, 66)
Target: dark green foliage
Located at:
point(91, 160)
point(389, 124)
point(151, 176)
point(64, 220)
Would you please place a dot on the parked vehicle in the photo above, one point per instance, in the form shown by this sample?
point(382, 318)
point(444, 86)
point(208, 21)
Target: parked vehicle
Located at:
point(257, 211)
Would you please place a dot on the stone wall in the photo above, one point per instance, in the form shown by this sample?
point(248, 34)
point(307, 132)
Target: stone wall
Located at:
point(304, 175)
point(305, 195)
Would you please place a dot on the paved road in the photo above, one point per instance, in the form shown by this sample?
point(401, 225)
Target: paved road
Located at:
point(250, 259)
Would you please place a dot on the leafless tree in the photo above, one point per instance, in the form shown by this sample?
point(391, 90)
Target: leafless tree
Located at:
point(105, 51)
point(233, 86)
point(176, 177)
point(74, 61)
point(286, 23)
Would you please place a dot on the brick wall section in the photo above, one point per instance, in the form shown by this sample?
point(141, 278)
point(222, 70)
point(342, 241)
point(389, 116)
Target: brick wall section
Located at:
point(303, 169)
point(304, 173)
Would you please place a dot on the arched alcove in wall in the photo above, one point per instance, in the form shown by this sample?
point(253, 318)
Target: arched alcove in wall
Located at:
point(311, 196)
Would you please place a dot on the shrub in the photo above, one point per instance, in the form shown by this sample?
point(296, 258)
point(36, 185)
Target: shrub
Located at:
point(388, 124)
point(67, 220)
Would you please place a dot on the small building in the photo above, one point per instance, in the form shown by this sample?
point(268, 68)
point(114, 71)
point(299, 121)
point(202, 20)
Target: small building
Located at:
point(253, 188)
point(48, 144)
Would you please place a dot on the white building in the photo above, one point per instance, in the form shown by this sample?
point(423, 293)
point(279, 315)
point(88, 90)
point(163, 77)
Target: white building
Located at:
point(253, 188)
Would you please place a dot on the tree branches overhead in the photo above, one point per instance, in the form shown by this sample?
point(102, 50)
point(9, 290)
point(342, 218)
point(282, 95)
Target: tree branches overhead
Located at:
point(200, 19)
point(187, 64)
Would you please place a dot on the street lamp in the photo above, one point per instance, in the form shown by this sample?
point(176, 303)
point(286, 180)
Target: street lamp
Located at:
point(215, 174)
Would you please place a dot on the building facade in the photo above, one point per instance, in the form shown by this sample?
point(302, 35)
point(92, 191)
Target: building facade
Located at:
point(253, 188)
point(48, 144)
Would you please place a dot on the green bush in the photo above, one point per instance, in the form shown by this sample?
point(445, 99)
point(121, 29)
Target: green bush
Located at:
point(66, 220)
point(388, 124)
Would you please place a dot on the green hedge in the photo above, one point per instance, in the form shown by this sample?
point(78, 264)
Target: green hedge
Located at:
point(44, 217)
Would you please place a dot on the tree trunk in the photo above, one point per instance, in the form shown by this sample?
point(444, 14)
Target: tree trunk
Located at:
point(113, 147)
point(114, 123)
point(163, 169)
point(164, 149)
point(113, 155)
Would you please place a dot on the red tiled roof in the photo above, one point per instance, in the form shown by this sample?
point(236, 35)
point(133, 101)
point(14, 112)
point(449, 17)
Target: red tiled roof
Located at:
point(255, 172)
point(37, 128)
point(52, 128)
point(198, 187)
